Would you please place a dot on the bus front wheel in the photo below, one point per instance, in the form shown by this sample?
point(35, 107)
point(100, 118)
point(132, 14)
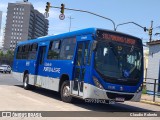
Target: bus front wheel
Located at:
point(65, 92)
point(25, 82)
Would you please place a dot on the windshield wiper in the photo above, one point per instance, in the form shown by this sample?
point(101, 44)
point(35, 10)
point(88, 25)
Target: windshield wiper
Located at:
point(115, 54)
point(120, 66)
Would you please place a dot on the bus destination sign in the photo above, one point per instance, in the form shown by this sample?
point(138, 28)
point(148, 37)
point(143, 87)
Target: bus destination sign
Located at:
point(117, 38)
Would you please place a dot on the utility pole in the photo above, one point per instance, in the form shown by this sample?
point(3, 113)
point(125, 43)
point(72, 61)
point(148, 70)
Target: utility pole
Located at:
point(144, 28)
point(150, 31)
point(84, 11)
point(70, 22)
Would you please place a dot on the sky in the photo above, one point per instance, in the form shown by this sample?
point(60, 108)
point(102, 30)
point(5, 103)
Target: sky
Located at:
point(120, 11)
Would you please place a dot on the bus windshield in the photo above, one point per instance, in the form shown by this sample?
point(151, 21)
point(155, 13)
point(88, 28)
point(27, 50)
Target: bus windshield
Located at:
point(117, 60)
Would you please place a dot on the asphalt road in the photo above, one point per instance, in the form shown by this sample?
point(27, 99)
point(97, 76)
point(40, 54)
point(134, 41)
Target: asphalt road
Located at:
point(14, 98)
point(7, 79)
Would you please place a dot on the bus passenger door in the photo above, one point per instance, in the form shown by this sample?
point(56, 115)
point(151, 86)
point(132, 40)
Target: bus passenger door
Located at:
point(80, 68)
point(40, 64)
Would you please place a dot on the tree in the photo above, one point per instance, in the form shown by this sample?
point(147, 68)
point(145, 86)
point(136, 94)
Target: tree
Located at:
point(1, 54)
point(9, 54)
point(6, 58)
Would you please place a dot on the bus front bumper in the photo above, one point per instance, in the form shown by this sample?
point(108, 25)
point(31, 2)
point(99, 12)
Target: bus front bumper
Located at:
point(93, 92)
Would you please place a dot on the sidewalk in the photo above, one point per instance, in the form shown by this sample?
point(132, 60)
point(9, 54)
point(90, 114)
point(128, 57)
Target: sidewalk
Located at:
point(145, 98)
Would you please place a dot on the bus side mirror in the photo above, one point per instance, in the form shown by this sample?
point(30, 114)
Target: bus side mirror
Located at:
point(94, 45)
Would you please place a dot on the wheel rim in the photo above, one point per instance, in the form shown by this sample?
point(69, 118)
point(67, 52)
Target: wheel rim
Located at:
point(66, 91)
point(25, 82)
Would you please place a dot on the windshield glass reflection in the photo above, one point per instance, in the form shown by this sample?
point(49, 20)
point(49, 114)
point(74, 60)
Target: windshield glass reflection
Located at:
point(117, 60)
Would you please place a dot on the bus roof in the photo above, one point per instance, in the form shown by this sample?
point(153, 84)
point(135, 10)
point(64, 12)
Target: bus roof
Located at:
point(71, 34)
point(61, 36)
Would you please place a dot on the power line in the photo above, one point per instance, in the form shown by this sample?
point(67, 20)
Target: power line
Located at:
point(114, 25)
point(158, 27)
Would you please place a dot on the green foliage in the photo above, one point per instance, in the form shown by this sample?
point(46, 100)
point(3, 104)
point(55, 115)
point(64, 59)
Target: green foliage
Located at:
point(6, 58)
point(1, 54)
point(144, 91)
point(9, 54)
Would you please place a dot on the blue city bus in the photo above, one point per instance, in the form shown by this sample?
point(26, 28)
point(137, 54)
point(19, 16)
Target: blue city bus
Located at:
point(91, 63)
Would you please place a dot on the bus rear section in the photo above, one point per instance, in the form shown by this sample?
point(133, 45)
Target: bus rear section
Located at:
point(58, 60)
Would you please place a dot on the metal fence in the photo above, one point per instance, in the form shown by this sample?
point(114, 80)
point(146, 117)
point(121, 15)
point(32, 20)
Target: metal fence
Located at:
point(152, 87)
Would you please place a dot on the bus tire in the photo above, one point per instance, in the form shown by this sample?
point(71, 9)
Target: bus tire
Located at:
point(25, 82)
point(65, 92)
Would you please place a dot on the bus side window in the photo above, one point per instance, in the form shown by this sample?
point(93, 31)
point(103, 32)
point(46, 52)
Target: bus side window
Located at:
point(19, 52)
point(17, 55)
point(25, 51)
point(68, 49)
point(86, 54)
point(33, 51)
point(54, 50)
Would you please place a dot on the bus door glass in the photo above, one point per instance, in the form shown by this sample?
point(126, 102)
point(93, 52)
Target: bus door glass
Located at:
point(40, 61)
point(80, 70)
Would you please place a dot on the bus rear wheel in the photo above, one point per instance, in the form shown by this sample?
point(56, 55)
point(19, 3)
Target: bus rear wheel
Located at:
point(65, 92)
point(25, 82)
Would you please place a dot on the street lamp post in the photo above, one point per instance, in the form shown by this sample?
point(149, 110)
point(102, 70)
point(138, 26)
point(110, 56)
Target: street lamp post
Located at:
point(144, 28)
point(157, 33)
point(150, 32)
point(114, 25)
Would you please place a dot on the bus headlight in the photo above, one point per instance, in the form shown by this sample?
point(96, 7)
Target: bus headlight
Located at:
point(97, 83)
point(140, 88)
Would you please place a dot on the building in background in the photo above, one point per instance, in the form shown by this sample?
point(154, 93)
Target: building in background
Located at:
point(1, 41)
point(40, 25)
point(0, 21)
point(23, 23)
point(145, 55)
point(153, 70)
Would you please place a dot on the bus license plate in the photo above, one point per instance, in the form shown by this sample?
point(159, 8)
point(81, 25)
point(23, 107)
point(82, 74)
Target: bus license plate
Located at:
point(120, 99)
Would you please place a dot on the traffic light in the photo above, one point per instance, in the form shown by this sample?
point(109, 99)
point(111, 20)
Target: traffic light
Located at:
point(62, 8)
point(145, 29)
point(47, 6)
point(150, 31)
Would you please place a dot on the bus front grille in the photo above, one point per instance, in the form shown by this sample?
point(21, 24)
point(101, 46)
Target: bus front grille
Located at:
point(116, 95)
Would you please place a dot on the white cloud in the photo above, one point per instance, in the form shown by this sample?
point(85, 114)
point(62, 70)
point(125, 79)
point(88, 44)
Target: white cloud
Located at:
point(3, 6)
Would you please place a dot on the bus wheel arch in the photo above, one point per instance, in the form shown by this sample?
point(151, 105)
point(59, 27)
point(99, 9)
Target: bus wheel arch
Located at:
point(26, 80)
point(64, 89)
point(63, 78)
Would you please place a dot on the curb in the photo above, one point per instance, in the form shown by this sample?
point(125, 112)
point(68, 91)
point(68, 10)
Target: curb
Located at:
point(150, 102)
